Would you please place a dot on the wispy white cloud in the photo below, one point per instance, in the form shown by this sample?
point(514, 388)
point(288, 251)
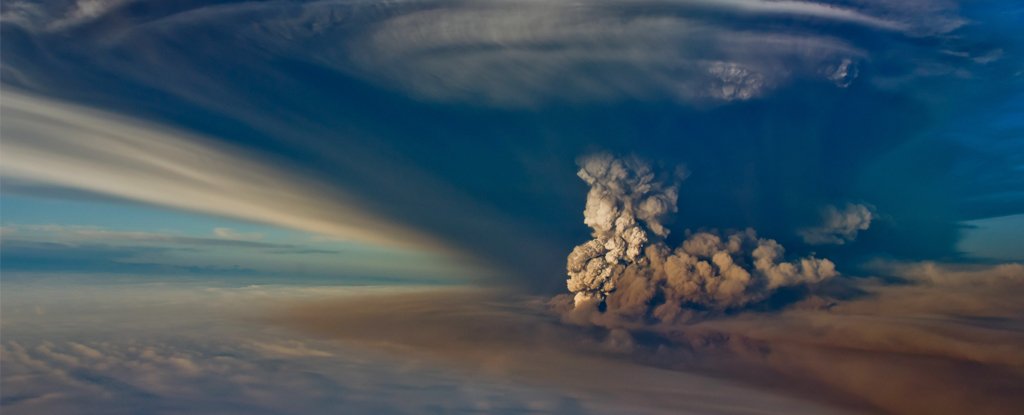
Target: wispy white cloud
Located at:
point(71, 235)
point(231, 234)
point(50, 143)
point(812, 9)
point(56, 15)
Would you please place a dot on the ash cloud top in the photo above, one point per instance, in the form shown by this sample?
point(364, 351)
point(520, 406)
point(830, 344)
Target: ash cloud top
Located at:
point(521, 53)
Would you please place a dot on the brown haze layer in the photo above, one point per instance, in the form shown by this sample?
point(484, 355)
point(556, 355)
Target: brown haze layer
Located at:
point(936, 340)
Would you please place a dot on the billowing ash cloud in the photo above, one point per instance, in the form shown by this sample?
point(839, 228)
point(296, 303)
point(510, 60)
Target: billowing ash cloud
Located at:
point(629, 270)
point(839, 226)
point(625, 205)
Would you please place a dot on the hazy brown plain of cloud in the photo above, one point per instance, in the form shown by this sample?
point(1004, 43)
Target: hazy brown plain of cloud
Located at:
point(930, 338)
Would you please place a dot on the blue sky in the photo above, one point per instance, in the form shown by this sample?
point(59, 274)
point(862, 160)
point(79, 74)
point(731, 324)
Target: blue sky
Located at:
point(46, 235)
point(912, 109)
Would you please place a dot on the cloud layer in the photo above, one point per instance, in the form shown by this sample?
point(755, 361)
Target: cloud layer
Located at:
point(143, 347)
point(948, 335)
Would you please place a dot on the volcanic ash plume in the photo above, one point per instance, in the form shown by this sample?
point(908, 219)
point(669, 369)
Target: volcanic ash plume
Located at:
point(630, 270)
point(625, 206)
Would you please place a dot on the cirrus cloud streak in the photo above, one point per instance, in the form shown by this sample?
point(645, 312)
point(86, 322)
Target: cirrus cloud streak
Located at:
point(49, 143)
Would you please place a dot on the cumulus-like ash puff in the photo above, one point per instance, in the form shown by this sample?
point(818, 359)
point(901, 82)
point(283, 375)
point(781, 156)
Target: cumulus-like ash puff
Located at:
point(839, 226)
point(630, 271)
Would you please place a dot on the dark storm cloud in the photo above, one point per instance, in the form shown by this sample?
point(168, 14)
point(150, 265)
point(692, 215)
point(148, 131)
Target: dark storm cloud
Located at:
point(462, 120)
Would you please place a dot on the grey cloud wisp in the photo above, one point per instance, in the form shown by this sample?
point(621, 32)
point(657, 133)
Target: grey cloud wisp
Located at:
point(839, 226)
point(630, 271)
